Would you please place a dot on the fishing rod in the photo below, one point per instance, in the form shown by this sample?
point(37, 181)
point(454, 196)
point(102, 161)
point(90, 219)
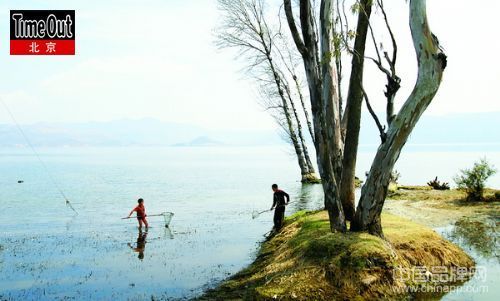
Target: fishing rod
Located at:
point(51, 177)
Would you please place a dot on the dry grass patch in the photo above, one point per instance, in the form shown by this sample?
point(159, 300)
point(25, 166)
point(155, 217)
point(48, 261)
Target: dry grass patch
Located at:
point(305, 261)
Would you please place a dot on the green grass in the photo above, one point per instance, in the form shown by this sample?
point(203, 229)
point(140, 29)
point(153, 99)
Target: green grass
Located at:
point(305, 261)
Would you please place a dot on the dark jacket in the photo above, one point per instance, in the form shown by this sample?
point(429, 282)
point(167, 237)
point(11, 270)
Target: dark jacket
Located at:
point(280, 198)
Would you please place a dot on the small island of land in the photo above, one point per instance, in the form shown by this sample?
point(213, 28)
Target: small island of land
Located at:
point(305, 261)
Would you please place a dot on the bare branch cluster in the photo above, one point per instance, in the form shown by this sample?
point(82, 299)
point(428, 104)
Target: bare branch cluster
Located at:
point(386, 64)
point(271, 62)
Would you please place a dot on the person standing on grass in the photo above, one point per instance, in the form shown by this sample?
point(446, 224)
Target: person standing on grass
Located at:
point(141, 213)
point(280, 200)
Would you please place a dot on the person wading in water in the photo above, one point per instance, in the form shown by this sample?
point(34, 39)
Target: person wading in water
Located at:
point(141, 214)
point(280, 200)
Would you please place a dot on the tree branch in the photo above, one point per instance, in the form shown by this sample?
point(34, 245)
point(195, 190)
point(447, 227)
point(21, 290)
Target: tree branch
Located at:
point(380, 127)
point(293, 27)
point(392, 61)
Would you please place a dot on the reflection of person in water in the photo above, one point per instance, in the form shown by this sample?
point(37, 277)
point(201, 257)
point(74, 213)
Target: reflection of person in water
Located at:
point(140, 245)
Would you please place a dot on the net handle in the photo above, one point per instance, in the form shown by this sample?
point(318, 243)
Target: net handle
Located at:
point(256, 214)
point(165, 214)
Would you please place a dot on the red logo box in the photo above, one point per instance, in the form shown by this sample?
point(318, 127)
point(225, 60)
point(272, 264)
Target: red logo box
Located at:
point(42, 32)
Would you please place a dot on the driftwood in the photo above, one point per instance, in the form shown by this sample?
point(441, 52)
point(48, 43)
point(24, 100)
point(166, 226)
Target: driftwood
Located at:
point(437, 185)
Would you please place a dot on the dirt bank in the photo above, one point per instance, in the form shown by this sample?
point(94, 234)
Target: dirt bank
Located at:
point(435, 208)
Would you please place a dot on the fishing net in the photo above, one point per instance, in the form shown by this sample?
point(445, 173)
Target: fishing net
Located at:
point(256, 213)
point(167, 216)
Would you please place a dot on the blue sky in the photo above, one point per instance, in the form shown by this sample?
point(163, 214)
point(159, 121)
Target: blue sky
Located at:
point(157, 59)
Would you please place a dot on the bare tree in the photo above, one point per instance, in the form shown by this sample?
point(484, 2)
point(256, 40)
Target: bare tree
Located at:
point(318, 35)
point(245, 27)
point(289, 61)
point(310, 176)
point(431, 64)
point(325, 103)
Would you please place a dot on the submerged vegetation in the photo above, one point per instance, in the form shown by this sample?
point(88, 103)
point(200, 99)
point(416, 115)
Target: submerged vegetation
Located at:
point(307, 261)
point(479, 234)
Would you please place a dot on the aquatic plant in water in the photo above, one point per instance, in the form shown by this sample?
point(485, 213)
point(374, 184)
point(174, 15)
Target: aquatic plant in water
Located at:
point(480, 235)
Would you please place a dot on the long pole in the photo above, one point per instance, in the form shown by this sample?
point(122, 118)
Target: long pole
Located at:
point(146, 216)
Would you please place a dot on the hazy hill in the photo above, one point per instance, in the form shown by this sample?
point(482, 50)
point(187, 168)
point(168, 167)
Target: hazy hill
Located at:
point(142, 132)
point(452, 131)
point(201, 141)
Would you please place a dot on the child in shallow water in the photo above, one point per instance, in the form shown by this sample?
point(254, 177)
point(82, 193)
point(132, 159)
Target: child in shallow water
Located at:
point(141, 213)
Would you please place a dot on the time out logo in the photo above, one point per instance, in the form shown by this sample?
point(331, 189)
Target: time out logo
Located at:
point(42, 32)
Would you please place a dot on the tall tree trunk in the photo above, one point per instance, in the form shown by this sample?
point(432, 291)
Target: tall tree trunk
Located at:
point(353, 111)
point(331, 111)
point(431, 64)
point(299, 151)
point(310, 176)
point(304, 108)
point(281, 85)
point(308, 48)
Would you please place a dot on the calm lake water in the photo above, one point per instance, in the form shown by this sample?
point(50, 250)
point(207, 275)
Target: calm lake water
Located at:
point(479, 238)
point(47, 252)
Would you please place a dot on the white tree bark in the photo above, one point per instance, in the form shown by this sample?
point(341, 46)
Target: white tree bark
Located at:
point(320, 73)
point(331, 112)
point(431, 64)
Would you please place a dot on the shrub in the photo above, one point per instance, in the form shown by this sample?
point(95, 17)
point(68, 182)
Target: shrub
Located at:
point(473, 180)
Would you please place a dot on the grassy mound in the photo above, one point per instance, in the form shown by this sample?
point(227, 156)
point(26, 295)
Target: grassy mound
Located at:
point(307, 262)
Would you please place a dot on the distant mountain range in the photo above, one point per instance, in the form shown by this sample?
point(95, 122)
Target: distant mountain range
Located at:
point(201, 141)
point(450, 130)
point(141, 132)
